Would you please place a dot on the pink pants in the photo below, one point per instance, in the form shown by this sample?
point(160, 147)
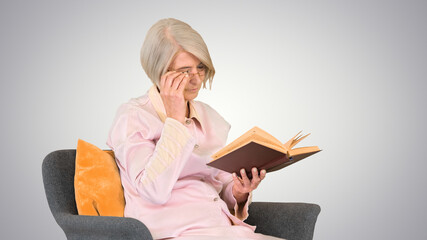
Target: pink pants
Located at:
point(223, 233)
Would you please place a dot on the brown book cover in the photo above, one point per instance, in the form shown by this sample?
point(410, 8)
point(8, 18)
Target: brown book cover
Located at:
point(257, 148)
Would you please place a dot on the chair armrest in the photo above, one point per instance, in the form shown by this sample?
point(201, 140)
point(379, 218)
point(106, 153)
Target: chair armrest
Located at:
point(99, 227)
point(292, 221)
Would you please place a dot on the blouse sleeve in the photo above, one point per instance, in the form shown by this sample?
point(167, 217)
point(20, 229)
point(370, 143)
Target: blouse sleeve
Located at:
point(152, 167)
point(239, 211)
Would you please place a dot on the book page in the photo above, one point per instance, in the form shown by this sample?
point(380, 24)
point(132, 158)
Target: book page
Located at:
point(263, 144)
point(295, 140)
point(264, 136)
point(255, 134)
point(303, 150)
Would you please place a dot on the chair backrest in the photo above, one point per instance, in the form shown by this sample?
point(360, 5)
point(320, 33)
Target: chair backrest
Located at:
point(58, 177)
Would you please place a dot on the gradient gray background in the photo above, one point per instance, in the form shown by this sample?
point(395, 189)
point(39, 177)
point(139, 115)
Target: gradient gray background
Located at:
point(353, 73)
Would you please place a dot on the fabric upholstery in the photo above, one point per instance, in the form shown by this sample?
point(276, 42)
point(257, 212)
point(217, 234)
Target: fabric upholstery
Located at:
point(97, 184)
point(285, 220)
point(58, 177)
point(293, 221)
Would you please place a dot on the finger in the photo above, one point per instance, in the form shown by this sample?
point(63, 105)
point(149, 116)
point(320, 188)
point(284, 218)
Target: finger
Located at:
point(237, 180)
point(163, 78)
point(255, 179)
point(262, 174)
point(177, 82)
point(245, 179)
point(169, 80)
point(255, 176)
point(168, 74)
point(161, 83)
point(183, 84)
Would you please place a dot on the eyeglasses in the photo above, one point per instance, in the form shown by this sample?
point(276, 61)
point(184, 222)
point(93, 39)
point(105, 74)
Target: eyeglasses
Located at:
point(201, 71)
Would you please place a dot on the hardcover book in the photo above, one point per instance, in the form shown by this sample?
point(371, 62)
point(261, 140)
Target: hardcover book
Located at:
point(257, 148)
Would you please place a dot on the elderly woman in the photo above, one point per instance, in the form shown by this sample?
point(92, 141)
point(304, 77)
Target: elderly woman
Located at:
point(163, 140)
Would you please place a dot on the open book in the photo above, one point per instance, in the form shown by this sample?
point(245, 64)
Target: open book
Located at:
point(257, 148)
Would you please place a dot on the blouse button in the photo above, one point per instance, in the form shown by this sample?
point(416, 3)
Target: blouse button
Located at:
point(196, 146)
point(216, 199)
point(188, 121)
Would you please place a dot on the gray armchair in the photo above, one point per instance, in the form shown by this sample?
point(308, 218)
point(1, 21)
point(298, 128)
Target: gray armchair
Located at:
point(293, 221)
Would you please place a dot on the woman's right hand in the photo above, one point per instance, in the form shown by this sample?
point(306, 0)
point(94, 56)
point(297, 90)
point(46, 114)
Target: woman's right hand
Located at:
point(172, 85)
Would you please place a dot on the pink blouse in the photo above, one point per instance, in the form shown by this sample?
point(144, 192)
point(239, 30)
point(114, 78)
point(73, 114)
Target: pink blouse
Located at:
point(162, 163)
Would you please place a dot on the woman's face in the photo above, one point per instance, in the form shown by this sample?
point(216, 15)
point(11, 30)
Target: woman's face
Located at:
point(187, 62)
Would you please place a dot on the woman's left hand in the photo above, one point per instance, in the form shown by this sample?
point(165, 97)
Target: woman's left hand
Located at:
point(243, 185)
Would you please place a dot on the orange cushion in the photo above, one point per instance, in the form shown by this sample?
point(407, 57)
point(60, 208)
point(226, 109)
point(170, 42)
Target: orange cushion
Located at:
point(97, 184)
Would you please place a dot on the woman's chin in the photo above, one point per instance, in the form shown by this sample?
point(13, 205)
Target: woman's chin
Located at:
point(191, 95)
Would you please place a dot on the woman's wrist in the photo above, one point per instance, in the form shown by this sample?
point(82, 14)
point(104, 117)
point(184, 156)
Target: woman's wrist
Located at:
point(239, 196)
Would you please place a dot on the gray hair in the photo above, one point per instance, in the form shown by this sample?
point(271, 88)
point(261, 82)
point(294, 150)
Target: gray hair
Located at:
point(162, 43)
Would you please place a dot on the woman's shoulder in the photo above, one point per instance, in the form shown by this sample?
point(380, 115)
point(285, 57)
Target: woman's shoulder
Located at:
point(137, 113)
point(140, 102)
point(139, 105)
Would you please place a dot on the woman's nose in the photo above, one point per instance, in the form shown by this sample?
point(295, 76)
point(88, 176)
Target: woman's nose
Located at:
point(194, 76)
point(195, 79)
